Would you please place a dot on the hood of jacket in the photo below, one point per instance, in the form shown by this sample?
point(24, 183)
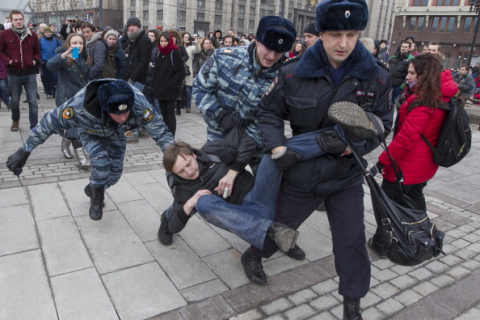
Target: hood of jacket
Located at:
point(314, 63)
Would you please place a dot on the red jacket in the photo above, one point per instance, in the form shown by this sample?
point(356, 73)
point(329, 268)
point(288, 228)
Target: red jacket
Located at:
point(21, 51)
point(407, 147)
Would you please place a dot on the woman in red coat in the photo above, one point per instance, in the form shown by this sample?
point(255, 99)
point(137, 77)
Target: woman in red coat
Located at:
point(421, 113)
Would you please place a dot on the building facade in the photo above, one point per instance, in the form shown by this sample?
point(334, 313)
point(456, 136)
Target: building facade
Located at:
point(380, 23)
point(448, 22)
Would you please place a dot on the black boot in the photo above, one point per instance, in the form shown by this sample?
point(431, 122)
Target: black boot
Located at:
point(253, 268)
point(164, 235)
point(96, 203)
point(89, 192)
point(351, 309)
point(296, 253)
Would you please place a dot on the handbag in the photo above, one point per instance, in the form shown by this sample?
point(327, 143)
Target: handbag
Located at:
point(408, 235)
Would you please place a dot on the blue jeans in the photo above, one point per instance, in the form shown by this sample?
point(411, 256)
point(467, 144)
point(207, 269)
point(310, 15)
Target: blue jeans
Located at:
point(4, 91)
point(30, 83)
point(187, 97)
point(49, 80)
point(251, 219)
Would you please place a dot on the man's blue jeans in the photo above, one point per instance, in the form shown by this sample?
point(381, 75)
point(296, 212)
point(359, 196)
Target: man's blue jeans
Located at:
point(250, 221)
point(29, 82)
point(187, 97)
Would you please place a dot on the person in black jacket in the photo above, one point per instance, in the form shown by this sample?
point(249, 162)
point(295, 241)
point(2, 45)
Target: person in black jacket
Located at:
point(167, 79)
point(337, 68)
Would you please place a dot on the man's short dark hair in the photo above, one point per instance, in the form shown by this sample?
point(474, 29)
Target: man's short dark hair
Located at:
point(434, 43)
point(405, 41)
point(463, 66)
point(229, 36)
point(171, 153)
point(88, 25)
point(15, 12)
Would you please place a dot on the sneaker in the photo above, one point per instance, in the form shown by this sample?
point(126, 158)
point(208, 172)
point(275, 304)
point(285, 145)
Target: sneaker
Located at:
point(164, 235)
point(14, 126)
point(284, 237)
point(354, 120)
point(381, 255)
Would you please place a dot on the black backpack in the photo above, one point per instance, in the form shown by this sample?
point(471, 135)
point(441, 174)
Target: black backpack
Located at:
point(456, 137)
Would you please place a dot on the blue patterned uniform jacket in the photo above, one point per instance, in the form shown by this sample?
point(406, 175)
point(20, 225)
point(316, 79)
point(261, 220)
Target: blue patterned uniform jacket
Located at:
point(232, 80)
point(84, 113)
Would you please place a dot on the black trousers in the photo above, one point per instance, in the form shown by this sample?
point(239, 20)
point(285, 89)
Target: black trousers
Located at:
point(345, 213)
point(167, 107)
point(414, 191)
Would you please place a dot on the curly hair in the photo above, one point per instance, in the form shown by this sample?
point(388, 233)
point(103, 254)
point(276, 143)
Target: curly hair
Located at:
point(428, 69)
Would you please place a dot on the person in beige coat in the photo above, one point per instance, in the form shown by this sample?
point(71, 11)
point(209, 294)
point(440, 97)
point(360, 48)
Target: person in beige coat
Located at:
point(192, 47)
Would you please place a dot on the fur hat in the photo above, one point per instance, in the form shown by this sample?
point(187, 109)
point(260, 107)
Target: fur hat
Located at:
point(43, 25)
point(134, 21)
point(116, 97)
point(276, 33)
point(337, 15)
point(310, 28)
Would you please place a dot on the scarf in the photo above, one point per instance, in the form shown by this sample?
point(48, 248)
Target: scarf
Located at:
point(19, 31)
point(133, 36)
point(169, 47)
point(94, 38)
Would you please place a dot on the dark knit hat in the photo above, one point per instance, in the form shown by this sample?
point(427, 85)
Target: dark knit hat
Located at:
point(134, 21)
point(337, 15)
point(276, 33)
point(310, 28)
point(116, 97)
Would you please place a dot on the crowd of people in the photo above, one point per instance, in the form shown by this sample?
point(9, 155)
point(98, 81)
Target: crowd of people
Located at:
point(111, 87)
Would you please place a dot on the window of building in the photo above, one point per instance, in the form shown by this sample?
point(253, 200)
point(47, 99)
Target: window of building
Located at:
point(419, 3)
point(201, 3)
point(251, 24)
point(160, 15)
point(218, 4)
point(441, 3)
point(262, 12)
point(252, 11)
point(182, 2)
point(469, 25)
point(299, 5)
point(133, 13)
point(133, 4)
point(218, 19)
point(240, 24)
point(182, 16)
point(241, 9)
point(443, 24)
point(200, 16)
point(160, 1)
point(290, 4)
point(145, 2)
point(290, 16)
point(145, 15)
point(416, 24)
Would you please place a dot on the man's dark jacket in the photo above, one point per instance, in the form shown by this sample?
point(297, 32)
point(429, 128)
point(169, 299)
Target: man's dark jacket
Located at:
point(303, 95)
point(138, 57)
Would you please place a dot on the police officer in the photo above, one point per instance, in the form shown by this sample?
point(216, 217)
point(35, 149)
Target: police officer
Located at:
point(336, 68)
point(234, 80)
point(104, 112)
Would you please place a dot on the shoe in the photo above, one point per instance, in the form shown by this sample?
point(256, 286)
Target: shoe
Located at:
point(14, 126)
point(83, 162)
point(178, 112)
point(97, 203)
point(354, 120)
point(65, 147)
point(253, 268)
point(284, 237)
point(164, 235)
point(379, 254)
point(188, 110)
point(321, 207)
point(351, 309)
point(296, 253)
point(89, 192)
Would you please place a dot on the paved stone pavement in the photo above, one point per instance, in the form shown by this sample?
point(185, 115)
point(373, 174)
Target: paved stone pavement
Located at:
point(56, 263)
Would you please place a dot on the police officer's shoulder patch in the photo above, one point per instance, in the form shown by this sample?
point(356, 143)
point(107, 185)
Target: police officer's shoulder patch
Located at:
point(148, 115)
point(274, 83)
point(68, 113)
point(226, 51)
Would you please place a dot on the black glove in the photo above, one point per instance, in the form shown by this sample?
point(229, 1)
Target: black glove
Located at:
point(330, 142)
point(227, 121)
point(17, 160)
point(287, 160)
point(377, 168)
